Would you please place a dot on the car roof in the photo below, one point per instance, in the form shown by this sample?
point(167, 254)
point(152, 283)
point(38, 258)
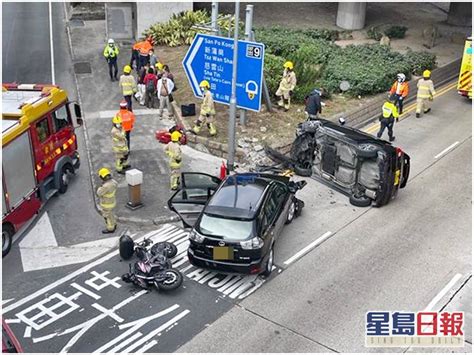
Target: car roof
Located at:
point(239, 196)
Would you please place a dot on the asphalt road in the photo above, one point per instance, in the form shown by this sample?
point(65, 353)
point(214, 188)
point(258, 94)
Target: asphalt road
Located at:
point(398, 257)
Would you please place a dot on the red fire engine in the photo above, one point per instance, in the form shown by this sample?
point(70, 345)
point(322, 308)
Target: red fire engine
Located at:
point(39, 150)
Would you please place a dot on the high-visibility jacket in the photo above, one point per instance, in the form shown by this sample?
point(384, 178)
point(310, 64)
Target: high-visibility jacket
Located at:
point(425, 89)
point(389, 110)
point(111, 51)
point(143, 47)
point(119, 141)
point(106, 194)
point(288, 82)
point(399, 89)
point(207, 106)
point(128, 85)
point(173, 150)
point(128, 119)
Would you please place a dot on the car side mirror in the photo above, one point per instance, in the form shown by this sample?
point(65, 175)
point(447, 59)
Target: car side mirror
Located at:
point(77, 111)
point(79, 122)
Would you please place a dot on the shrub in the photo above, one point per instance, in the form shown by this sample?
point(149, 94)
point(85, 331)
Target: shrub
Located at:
point(396, 31)
point(420, 61)
point(273, 70)
point(392, 31)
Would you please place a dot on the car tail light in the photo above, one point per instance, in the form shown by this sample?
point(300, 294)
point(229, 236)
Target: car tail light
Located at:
point(399, 152)
point(255, 269)
point(196, 237)
point(254, 243)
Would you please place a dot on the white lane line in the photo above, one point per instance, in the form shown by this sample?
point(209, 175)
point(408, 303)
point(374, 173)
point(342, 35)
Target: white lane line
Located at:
point(308, 248)
point(443, 292)
point(446, 150)
point(125, 343)
point(147, 347)
point(86, 291)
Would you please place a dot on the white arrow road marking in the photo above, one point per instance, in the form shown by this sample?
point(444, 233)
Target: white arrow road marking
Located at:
point(190, 69)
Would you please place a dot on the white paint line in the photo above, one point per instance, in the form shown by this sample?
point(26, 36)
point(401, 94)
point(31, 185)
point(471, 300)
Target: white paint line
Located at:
point(108, 312)
point(125, 343)
point(6, 301)
point(446, 150)
point(27, 333)
point(183, 270)
point(46, 337)
point(156, 331)
point(86, 291)
point(308, 248)
point(8, 321)
point(146, 347)
point(445, 290)
point(53, 78)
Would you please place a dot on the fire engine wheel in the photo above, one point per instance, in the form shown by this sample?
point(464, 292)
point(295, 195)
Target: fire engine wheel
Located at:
point(7, 236)
point(66, 172)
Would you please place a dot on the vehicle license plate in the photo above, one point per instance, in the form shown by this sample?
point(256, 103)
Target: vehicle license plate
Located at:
point(223, 253)
point(397, 177)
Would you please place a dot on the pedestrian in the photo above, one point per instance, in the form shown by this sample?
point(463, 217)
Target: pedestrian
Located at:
point(127, 119)
point(173, 150)
point(208, 110)
point(128, 85)
point(287, 85)
point(134, 58)
point(388, 117)
point(144, 48)
point(141, 96)
point(153, 59)
point(150, 81)
point(400, 90)
point(106, 194)
point(119, 146)
point(111, 52)
point(164, 88)
point(313, 104)
point(166, 69)
point(159, 70)
point(425, 93)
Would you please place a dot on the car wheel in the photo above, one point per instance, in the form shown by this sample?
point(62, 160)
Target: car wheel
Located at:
point(299, 207)
point(269, 264)
point(367, 150)
point(291, 211)
point(360, 201)
point(66, 172)
point(7, 238)
point(306, 172)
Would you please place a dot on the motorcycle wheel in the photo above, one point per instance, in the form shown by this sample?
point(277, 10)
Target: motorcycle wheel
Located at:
point(174, 279)
point(170, 249)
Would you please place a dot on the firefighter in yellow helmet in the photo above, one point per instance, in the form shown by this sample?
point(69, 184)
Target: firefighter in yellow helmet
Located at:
point(106, 194)
point(173, 150)
point(388, 117)
point(208, 110)
point(425, 93)
point(119, 145)
point(128, 85)
point(287, 85)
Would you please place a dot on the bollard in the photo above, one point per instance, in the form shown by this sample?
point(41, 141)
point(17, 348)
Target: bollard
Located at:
point(134, 178)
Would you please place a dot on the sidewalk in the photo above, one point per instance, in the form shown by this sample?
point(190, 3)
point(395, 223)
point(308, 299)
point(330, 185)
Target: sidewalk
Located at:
point(99, 98)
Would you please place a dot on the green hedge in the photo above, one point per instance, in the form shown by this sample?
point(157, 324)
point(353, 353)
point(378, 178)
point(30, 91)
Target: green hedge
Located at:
point(420, 61)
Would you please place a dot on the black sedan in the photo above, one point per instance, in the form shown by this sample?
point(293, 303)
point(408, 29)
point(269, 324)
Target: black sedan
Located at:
point(235, 222)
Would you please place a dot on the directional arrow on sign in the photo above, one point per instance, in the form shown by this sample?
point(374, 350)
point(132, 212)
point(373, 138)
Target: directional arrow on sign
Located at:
point(40, 250)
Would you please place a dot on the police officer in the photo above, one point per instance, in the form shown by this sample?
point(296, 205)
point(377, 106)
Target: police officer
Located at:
point(173, 150)
point(119, 146)
point(106, 194)
point(286, 87)
point(111, 52)
point(424, 94)
point(208, 110)
point(388, 117)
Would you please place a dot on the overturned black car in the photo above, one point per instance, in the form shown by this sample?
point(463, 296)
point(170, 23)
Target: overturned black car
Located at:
point(369, 170)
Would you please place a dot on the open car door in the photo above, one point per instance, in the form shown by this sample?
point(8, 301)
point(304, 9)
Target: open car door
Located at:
point(193, 194)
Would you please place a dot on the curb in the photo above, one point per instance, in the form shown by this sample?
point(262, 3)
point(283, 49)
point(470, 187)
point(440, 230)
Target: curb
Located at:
point(149, 222)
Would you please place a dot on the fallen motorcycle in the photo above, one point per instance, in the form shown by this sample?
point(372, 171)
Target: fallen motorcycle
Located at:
point(127, 247)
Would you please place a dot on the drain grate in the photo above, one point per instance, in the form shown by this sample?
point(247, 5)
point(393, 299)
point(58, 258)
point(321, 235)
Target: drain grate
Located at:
point(82, 68)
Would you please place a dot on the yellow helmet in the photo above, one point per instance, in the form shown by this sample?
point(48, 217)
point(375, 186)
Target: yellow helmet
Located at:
point(117, 120)
point(104, 172)
point(159, 66)
point(175, 136)
point(426, 74)
point(288, 65)
point(205, 84)
point(127, 69)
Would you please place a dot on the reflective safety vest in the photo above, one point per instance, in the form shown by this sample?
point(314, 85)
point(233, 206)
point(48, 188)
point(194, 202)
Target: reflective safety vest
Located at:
point(173, 150)
point(128, 85)
point(425, 89)
point(143, 47)
point(128, 119)
point(119, 141)
point(403, 88)
point(106, 194)
point(389, 110)
point(207, 106)
point(111, 51)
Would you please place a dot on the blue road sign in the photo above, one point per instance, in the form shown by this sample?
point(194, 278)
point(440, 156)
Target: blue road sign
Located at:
point(210, 58)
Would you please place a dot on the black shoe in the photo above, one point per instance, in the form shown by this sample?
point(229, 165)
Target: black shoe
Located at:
point(427, 110)
point(127, 167)
point(106, 231)
point(121, 172)
point(391, 139)
point(417, 115)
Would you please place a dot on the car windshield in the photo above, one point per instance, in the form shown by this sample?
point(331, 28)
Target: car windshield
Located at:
point(225, 228)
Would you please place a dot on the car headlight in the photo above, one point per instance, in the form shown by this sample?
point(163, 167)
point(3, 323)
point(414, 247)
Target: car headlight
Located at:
point(196, 237)
point(254, 243)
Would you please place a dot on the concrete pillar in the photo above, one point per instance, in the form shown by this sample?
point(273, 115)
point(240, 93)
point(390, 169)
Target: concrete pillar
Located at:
point(149, 13)
point(460, 13)
point(351, 15)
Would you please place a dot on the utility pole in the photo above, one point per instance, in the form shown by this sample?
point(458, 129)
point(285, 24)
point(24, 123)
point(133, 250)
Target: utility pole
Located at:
point(248, 37)
point(214, 15)
point(233, 98)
